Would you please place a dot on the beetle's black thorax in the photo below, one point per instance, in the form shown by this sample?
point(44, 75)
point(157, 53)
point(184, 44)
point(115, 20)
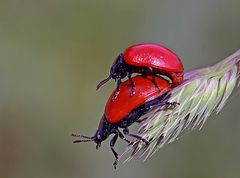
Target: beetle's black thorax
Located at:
point(105, 125)
point(104, 130)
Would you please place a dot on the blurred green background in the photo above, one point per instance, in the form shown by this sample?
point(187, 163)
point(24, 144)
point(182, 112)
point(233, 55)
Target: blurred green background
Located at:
point(52, 55)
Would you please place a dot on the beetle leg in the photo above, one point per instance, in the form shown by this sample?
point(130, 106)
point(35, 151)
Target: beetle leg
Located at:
point(112, 144)
point(171, 105)
point(122, 137)
point(141, 120)
point(133, 85)
point(126, 132)
point(139, 138)
point(98, 146)
point(154, 82)
point(167, 104)
point(153, 77)
point(119, 81)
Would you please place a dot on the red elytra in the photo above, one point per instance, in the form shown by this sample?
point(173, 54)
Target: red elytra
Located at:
point(153, 55)
point(145, 90)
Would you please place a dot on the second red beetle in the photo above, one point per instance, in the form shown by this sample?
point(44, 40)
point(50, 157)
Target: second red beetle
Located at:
point(146, 59)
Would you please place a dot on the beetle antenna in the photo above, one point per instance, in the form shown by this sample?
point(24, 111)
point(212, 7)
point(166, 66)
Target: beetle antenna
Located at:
point(78, 141)
point(103, 82)
point(84, 138)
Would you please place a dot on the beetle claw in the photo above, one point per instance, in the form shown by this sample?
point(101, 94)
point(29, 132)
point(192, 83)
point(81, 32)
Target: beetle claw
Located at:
point(98, 146)
point(172, 105)
point(115, 163)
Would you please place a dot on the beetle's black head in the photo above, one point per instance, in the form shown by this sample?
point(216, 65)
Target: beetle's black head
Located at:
point(118, 69)
point(117, 72)
point(98, 138)
point(104, 130)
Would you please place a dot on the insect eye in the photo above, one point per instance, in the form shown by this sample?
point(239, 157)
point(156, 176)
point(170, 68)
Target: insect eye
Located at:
point(98, 136)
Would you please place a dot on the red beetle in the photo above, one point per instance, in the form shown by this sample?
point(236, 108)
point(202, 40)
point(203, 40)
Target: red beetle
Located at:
point(125, 110)
point(146, 59)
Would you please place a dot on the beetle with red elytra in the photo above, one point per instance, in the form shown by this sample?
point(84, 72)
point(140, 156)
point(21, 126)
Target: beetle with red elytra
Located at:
point(146, 59)
point(125, 110)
